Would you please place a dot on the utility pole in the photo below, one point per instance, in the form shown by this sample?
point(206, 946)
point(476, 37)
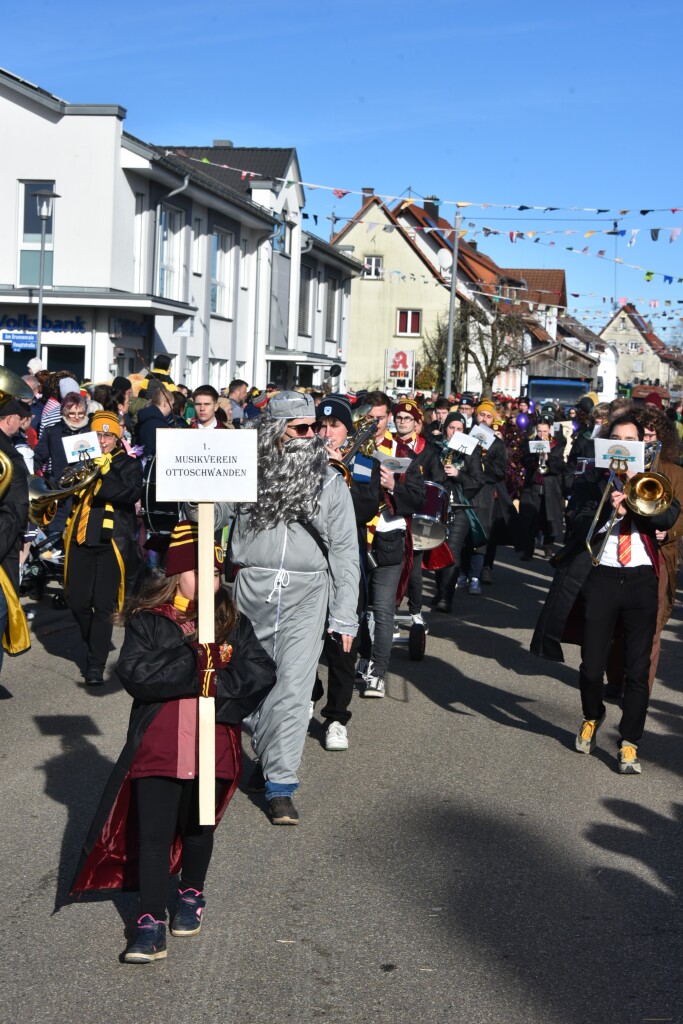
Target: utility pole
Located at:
point(451, 309)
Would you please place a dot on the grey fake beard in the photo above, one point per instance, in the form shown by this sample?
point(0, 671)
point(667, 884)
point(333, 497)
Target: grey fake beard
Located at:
point(290, 481)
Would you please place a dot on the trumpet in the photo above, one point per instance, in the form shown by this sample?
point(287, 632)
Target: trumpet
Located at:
point(44, 501)
point(359, 441)
point(542, 463)
point(646, 494)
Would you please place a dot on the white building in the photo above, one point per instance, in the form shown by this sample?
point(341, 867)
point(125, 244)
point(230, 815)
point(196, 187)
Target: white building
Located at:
point(151, 250)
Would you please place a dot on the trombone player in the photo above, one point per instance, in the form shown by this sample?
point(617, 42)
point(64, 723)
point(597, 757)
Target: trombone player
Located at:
point(618, 579)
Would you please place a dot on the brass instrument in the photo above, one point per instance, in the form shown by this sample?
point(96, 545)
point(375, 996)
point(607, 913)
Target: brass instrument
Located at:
point(542, 463)
point(11, 386)
point(360, 440)
point(44, 501)
point(646, 494)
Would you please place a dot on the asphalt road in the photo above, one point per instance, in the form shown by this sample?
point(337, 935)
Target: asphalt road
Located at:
point(460, 863)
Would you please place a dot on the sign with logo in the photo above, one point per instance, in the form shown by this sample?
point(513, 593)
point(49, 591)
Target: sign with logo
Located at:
point(399, 369)
point(206, 465)
point(81, 446)
point(619, 455)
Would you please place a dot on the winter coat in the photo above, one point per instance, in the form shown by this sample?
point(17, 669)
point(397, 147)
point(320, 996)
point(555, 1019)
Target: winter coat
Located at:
point(149, 420)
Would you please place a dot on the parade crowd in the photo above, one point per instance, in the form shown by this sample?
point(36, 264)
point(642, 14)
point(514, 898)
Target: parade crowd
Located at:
point(359, 496)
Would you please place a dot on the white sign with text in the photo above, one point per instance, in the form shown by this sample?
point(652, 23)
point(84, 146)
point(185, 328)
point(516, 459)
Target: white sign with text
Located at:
point(463, 443)
point(206, 465)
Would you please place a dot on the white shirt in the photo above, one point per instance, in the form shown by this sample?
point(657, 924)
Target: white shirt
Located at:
point(639, 555)
point(207, 426)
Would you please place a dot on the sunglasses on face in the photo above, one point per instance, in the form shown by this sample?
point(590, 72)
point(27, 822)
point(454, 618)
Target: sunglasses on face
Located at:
point(301, 429)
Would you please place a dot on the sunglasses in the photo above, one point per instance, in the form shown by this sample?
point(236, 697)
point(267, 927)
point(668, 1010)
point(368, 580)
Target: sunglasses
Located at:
point(301, 429)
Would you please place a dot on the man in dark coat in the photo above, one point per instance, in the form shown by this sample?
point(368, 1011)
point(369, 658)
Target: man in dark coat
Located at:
point(619, 582)
point(13, 518)
point(542, 503)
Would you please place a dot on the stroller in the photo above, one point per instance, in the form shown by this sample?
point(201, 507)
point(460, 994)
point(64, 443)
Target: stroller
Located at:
point(44, 564)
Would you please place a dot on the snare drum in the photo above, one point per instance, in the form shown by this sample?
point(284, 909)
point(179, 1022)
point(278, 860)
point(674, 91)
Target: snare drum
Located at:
point(429, 524)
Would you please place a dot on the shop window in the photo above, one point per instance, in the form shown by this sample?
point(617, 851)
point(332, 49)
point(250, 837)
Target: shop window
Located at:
point(29, 237)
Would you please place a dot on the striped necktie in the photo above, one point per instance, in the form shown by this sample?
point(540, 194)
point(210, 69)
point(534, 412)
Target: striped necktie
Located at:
point(624, 540)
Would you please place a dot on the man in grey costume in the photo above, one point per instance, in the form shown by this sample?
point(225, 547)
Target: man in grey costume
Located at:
point(297, 552)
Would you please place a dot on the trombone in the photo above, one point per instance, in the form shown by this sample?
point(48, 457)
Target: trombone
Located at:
point(646, 494)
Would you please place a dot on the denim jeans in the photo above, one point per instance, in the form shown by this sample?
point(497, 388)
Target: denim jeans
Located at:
point(383, 583)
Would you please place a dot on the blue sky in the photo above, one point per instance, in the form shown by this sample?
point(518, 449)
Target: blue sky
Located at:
point(527, 104)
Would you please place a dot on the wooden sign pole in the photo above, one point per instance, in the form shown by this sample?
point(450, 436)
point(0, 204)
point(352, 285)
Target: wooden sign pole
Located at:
point(206, 635)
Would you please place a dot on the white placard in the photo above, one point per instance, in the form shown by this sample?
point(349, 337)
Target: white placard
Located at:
point(484, 435)
point(464, 443)
point(391, 462)
point(81, 446)
point(629, 454)
point(206, 465)
point(538, 447)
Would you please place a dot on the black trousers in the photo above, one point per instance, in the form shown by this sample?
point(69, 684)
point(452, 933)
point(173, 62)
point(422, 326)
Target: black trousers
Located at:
point(341, 674)
point(532, 518)
point(92, 594)
point(610, 594)
point(457, 533)
point(165, 805)
point(414, 589)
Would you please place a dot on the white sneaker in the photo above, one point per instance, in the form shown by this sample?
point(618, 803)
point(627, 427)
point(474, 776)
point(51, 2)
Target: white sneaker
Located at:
point(363, 667)
point(311, 710)
point(417, 620)
point(374, 686)
point(336, 737)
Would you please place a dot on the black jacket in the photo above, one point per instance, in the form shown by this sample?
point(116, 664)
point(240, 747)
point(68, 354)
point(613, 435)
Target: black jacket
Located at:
point(494, 466)
point(13, 512)
point(552, 483)
point(157, 665)
point(50, 448)
point(149, 420)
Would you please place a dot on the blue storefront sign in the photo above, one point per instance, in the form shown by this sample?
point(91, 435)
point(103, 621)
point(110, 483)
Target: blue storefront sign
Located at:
point(20, 342)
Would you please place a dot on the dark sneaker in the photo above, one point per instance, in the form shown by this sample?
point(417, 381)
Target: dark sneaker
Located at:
point(94, 677)
point(628, 759)
point(444, 606)
point(475, 586)
point(188, 916)
point(585, 738)
point(257, 782)
point(149, 944)
point(487, 575)
point(281, 811)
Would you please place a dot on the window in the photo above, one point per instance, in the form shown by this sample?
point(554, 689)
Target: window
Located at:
point(409, 322)
point(282, 242)
point(138, 236)
point(170, 253)
point(244, 264)
point(305, 285)
point(29, 238)
point(332, 310)
point(633, 346)
point(197, 239)
point(221, 273)
point(373, 267)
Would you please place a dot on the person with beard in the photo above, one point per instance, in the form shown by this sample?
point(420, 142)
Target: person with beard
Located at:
point(408, 419)
point(297, 553)
point(391, 547)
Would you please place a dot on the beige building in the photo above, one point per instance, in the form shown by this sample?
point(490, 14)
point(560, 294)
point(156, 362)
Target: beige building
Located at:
point(643, 357)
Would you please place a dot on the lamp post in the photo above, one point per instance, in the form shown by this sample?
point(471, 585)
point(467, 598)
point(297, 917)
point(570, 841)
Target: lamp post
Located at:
point(44, 199)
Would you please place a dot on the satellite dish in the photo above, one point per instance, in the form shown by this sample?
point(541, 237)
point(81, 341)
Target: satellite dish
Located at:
point(445, 259)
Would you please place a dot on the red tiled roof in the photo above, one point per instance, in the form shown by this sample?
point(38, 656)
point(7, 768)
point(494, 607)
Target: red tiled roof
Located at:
point(548, 287)
point(646, 332)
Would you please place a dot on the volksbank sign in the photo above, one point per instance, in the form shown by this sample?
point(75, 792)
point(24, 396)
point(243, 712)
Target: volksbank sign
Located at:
point(25, 323)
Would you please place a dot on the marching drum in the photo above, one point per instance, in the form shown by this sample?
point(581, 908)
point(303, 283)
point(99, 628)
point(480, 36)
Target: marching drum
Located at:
point(429, 524)
point(158, 516)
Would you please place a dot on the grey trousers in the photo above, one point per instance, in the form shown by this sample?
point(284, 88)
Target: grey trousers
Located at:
point(383, 583)
point(289, 620)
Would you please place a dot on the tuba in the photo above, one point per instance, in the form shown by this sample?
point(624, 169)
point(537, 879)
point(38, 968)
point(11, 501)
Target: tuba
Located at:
point(11, 386)
point(44, 501)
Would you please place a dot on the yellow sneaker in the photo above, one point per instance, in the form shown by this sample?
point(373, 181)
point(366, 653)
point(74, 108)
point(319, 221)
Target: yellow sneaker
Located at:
point(585, 738)
point(628, 759)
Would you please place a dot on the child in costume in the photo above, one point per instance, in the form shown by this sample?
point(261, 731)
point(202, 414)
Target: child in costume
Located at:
point(150, 810)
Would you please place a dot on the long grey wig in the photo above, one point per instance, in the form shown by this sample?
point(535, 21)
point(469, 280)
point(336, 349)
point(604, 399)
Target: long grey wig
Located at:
point(290, 476)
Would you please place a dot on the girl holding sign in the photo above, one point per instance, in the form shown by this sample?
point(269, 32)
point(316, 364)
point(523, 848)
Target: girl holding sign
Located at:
point(148, 815)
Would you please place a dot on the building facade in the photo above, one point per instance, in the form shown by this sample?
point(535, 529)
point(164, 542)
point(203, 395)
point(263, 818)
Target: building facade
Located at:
point(148, 251)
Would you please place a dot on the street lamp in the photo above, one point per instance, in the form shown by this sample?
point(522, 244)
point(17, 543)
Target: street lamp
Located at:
point(44, 200)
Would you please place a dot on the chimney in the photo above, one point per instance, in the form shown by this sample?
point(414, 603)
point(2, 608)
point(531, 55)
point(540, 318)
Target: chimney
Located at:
point(368, 193)
point(431, 207)
point(473, 245)
point(222, 144)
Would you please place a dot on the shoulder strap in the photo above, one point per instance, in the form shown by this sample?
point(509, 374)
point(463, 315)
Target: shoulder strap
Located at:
point(312, 532)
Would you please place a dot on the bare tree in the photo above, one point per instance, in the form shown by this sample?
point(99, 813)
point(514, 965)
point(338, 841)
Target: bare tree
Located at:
point(492, 341)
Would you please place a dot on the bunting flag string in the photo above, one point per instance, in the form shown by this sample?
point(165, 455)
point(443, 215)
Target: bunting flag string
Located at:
point(341, 193)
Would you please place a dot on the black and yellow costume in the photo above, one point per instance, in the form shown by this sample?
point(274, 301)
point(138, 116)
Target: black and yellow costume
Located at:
point(13, 519)
point(102, 556)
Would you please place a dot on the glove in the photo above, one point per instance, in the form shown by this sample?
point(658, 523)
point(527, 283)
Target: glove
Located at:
point(210, 658)
point(104, 462)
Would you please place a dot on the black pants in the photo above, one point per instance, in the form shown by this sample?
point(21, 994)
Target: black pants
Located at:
point(414, 591)
point(457, 533)
point(610, 594)
point(92, 594)
point(165, 805)
point(532, 518)
point(341, 674)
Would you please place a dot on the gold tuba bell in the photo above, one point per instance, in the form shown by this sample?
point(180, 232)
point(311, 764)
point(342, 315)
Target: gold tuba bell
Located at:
point(44, 501)
point(11, 386)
